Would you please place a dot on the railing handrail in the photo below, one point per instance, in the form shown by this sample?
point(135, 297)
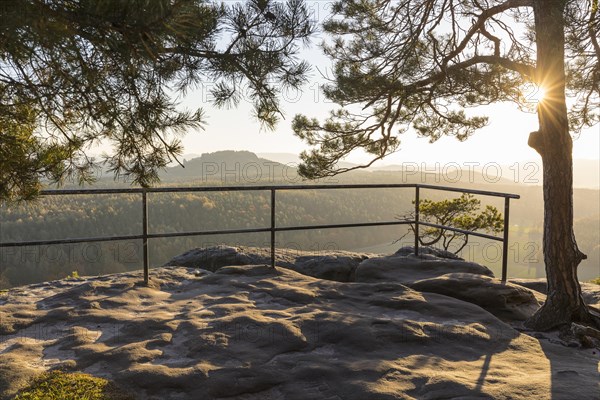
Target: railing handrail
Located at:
point(273, 228)
point(177, 189)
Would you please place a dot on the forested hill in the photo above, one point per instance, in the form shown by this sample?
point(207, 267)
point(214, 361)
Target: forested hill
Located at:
point(229, 167)
point(111, 215)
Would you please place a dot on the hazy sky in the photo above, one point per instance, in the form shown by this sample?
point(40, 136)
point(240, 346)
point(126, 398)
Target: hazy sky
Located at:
point(504, 140)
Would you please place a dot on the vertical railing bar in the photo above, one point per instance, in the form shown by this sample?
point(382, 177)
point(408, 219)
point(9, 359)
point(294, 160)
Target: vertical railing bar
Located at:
point(417, 220)
point(505, 239)
point(273, 228)
point(145, 234)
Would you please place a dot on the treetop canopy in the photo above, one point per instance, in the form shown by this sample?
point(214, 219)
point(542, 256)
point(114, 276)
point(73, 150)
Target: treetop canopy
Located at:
point(420, 64)
point(84, 72)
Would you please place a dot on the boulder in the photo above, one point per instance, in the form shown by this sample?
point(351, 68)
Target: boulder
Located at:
point(334, 265)
point(591, 294)
point(408, 250)
point(405, 268)
point(505, 300)
point(589, 291)
point(215, 257)
point(539, 285)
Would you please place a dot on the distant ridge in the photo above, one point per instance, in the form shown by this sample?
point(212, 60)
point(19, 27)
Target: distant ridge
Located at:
point(586, 174)
point(294, 159)
point(230, 167)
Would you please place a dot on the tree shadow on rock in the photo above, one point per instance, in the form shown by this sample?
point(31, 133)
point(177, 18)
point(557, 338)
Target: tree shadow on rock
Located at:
point(574, 372)
point(416, 344)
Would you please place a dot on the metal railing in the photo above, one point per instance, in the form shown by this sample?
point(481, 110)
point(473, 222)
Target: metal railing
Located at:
point(273, 229)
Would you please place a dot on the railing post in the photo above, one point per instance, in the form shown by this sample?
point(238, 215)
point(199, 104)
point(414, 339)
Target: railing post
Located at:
point(417, 220)
point(273, 228)
point(505, 239)
point(145, 235)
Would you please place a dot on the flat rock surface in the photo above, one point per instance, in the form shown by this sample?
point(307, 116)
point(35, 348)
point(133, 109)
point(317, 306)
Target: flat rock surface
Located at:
point(406, 268)
point(253, 332)
point(504, 300)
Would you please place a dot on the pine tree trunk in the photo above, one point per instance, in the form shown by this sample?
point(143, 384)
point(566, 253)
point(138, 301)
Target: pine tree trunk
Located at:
point(553, 142)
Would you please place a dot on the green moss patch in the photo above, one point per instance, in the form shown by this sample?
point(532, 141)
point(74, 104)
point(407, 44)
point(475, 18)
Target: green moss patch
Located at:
point(77, 386)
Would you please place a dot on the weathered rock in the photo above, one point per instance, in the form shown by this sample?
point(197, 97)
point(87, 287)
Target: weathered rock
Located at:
point(507, 301)
point(539, 285)
point(408, 250)
point(589, 291)
point(257, 333)
point(591, 294)
point(409, 268)
point(335, 265)
point(215, 257)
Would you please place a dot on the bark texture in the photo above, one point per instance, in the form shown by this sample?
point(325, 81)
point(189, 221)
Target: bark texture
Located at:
point(553, 142)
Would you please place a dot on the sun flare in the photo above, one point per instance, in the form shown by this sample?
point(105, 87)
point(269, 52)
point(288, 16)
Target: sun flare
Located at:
point(539, 94)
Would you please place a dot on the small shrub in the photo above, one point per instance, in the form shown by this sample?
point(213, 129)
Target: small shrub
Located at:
point(74, 275)
point(462, 213)
point(58, 385)
point(596, 281)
